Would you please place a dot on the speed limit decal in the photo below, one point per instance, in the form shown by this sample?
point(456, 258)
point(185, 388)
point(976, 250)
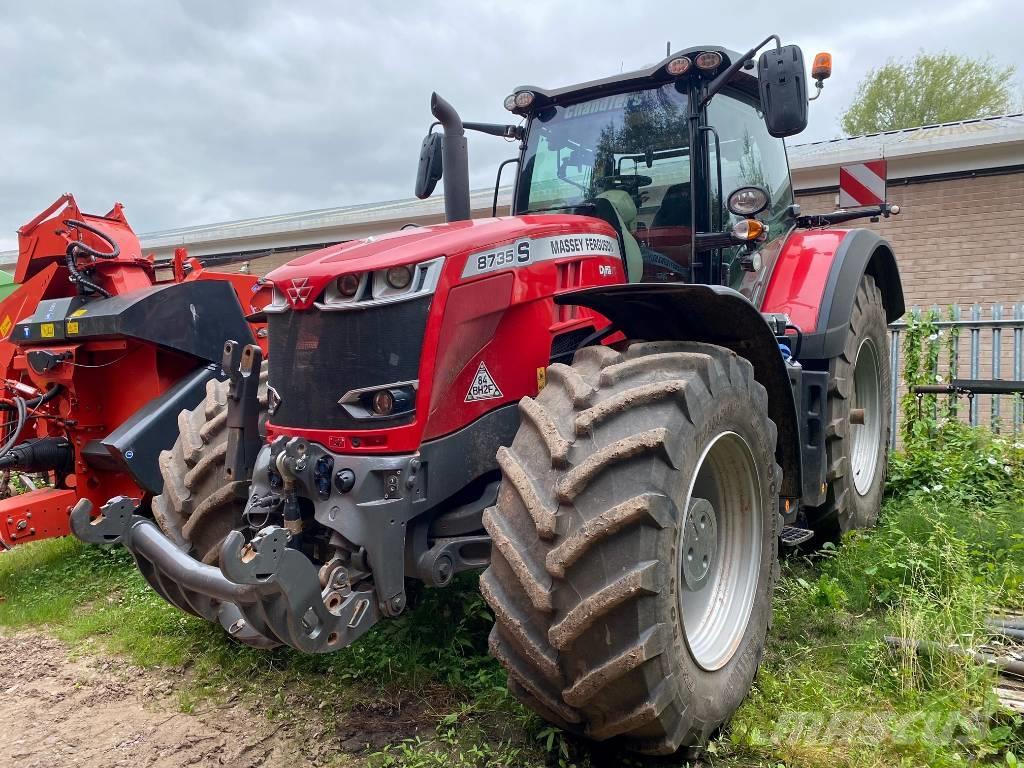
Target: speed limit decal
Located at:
point(529, 250)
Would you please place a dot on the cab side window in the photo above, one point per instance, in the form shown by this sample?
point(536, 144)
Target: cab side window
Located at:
point(750, 157)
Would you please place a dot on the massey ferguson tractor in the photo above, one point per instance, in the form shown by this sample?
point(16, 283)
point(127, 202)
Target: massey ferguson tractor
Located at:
point(98, 358)
point(617, 401)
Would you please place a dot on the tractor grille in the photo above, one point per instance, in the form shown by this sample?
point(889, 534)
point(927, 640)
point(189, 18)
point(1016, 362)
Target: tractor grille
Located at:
point(316, 357)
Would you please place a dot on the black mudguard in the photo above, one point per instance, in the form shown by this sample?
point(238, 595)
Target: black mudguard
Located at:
point(715, 315)
point(861, 251)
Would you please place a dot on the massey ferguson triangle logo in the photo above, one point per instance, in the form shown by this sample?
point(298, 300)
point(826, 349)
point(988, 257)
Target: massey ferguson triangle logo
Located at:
point(299, 291)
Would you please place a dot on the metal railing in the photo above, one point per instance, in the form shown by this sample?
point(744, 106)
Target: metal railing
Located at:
point(988, 357)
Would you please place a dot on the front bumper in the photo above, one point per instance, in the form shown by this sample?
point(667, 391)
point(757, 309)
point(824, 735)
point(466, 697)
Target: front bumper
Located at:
point(264, 594)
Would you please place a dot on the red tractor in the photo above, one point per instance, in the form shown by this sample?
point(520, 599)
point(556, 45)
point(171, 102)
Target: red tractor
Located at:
point(617, 401)
point(98, 358)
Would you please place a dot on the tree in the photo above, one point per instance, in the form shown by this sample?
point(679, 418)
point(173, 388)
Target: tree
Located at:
point(932, 88)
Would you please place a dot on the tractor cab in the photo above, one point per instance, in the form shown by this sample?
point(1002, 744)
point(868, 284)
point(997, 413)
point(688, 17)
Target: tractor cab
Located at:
point(678, 158)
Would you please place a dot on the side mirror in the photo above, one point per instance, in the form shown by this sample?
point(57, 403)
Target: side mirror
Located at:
point(783, 85)
point(431, 165)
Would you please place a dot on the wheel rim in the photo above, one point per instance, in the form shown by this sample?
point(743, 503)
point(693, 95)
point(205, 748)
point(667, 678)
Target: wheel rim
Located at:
point(864, 438)
point(720, 550)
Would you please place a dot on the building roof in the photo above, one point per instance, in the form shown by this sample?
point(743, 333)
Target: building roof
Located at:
point(966, 145)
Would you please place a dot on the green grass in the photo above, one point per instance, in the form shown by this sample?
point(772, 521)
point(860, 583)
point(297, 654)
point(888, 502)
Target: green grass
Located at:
point(831, 692)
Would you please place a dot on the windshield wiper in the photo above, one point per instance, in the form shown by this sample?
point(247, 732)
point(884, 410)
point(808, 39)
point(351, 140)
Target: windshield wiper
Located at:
point(561, 208)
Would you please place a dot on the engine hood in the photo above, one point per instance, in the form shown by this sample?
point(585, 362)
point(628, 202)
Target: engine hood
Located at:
point(313, 271)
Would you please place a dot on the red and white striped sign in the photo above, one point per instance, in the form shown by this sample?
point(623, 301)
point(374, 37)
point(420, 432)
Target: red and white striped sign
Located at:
point(862, 184)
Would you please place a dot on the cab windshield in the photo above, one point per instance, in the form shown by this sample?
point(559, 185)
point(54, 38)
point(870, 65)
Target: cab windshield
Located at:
point(631, 150)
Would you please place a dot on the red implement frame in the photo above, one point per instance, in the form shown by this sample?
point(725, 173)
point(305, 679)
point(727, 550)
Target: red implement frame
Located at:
point(102, 381)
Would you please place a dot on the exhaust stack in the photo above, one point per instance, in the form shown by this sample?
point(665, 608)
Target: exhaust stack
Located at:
point(456, 160)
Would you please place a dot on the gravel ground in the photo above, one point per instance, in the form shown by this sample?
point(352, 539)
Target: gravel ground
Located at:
point(95, 711)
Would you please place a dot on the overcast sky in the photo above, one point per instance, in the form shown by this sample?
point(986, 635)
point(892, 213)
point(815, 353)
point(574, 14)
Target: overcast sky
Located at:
point(192, 112)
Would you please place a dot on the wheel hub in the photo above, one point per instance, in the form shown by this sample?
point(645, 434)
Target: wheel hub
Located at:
point(700, 543)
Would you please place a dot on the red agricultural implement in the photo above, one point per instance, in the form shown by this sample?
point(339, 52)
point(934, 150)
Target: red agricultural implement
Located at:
point(97, 358)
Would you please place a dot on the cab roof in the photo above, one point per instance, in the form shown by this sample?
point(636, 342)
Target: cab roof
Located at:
point(656, 74)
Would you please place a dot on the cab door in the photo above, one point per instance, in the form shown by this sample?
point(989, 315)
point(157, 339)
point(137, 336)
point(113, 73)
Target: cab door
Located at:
point(750, 157)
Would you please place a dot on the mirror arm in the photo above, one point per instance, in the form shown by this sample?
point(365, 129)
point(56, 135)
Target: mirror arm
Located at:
point(814, 221)
point(706, 241)
point(719, 82)
point(497, 129)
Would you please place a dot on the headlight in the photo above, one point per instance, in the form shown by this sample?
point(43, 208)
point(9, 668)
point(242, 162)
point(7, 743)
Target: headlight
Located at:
point(383, 403)
point(747, 201)
point(708, 60)
point(399, 277)
point(348, 285)
point(678, 66)
point(398, 283)
point(524, 99)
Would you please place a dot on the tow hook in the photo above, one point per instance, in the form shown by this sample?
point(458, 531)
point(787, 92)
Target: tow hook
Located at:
point(264, 593)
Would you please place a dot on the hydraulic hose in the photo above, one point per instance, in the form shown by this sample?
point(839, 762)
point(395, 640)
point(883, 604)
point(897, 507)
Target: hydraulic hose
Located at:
point(40, 454)
point(34, 402)
point(22, 411)
point(115, 249)
point(79, 248)
point(21, 407)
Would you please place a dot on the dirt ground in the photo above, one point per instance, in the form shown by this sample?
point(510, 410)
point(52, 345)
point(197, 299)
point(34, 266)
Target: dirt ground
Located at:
point(96, 711)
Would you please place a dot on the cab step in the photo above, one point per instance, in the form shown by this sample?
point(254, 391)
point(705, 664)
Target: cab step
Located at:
point(792, 536)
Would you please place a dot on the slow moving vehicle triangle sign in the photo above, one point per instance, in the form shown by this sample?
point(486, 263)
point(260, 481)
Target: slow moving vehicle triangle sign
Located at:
point(483, 386)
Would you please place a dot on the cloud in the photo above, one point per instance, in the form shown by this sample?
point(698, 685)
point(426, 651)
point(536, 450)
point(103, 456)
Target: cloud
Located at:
point(194, 112)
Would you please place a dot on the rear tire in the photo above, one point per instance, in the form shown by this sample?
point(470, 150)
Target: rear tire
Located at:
point(601, 628)
point(857, 454)
point(197, 508)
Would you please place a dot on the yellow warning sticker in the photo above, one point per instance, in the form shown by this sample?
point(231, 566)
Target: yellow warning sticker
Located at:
point(542, 378)
point(46, 330)
point(79, 312)
point(5, 326)
point(72, 326)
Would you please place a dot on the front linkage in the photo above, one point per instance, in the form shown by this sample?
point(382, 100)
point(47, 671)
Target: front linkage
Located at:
point(264, 593)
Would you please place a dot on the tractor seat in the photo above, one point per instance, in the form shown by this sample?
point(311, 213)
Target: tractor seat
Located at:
point(675, 207)
point(620, 211)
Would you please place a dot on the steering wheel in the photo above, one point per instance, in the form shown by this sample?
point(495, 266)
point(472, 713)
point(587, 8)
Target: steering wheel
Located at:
point(628, 182)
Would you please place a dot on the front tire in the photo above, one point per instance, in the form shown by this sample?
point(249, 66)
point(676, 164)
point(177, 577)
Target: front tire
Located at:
point(198, 508)
point(616, 613)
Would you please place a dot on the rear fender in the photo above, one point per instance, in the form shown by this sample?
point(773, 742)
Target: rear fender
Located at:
point(815, 282)
point(715, 315)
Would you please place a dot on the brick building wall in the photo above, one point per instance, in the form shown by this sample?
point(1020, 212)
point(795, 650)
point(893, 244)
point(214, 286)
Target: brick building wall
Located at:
point(957, 240)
